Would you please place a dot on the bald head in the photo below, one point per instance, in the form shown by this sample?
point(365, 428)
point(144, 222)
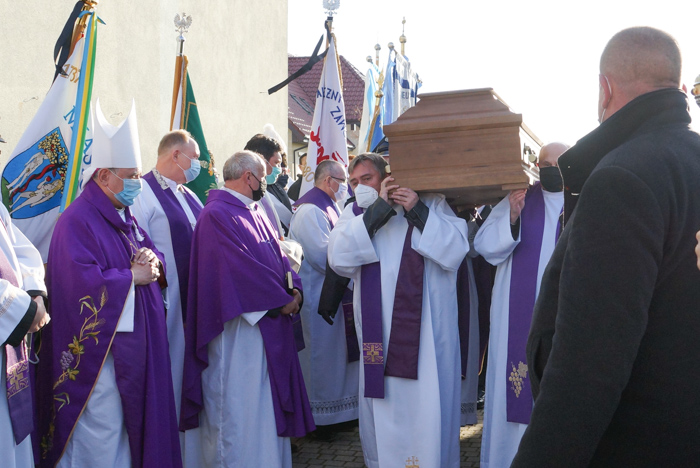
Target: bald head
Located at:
point(549, 154)
point(641, 60)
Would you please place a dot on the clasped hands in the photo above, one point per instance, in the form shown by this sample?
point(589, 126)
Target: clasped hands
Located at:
point(144, 266)
point(292, 307)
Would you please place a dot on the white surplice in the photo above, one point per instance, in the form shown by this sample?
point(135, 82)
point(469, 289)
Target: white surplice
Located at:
point(14, 304)
point(237, 424)
point(418, 420)
point(331, 382)
point(495, 243)
point(281, 210)
point(151, 218)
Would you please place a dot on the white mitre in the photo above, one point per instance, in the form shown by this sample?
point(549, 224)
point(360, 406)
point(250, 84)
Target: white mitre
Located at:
point(114, 147)
point(270, 132)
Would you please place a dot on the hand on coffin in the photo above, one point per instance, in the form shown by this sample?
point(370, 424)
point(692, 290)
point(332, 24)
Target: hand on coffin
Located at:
point(405, 197)
point(385, 188)
point(41, 318)
point(292, 307)
point(697, 248)
point(516, 198)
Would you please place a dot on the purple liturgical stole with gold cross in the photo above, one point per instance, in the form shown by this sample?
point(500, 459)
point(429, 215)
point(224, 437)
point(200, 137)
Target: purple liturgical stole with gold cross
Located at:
point(19, 396)
point(523, 287)
point(180, 231)
point(404, 338)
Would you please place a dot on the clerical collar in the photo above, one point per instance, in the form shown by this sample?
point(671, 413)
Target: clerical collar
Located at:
point(122, 213)
point(164, 182)
point(249, 202)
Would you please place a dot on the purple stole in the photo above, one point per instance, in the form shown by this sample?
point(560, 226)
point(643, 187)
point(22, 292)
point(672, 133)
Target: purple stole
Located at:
point(523, 285)
point(19, 397)
point(180, 231)
point(404, 337)
point(323, 202)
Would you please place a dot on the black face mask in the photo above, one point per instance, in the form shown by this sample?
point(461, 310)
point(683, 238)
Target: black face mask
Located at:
point(282, 180)
point(262, 187)
point(550, 177)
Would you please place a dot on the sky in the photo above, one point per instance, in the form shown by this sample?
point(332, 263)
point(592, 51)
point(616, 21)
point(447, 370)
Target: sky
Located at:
point(540, 56)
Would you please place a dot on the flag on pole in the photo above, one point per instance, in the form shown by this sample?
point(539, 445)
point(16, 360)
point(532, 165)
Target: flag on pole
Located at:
point(81, 114)
point(406, 86)
point(40, 168)
point(372, 123)
point(328, 137)
point(184, 115)
point(400, 87)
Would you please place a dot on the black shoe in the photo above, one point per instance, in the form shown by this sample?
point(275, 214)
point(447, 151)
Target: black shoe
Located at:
point(295, 448)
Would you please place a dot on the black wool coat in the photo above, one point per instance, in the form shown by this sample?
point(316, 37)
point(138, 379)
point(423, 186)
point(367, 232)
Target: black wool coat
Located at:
point(614, 346)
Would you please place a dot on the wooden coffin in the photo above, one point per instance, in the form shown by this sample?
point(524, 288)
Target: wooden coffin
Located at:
point(467, 145)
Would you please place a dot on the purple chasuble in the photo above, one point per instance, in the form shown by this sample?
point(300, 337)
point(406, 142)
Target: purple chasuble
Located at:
point(404, 337)
point(180, 231)
point(88, 279)
point(19, 396)
point(237, 266)
point(523, 287)
point(323, 202)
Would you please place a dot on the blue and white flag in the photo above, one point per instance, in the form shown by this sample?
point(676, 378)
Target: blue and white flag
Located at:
point(328, 137)
point(388, 90)
point(369, 109)
point(400, 87)
point(34, 177)
point(406, 86)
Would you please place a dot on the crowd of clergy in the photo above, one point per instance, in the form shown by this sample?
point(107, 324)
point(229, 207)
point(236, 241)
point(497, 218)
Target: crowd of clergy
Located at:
point(164, 332)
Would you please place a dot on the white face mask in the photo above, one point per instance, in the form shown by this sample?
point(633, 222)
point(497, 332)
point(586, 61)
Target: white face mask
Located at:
point(365, 195)
point(341, 193)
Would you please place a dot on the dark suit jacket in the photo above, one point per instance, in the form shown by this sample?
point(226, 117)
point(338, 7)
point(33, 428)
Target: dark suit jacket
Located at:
point(615, 339)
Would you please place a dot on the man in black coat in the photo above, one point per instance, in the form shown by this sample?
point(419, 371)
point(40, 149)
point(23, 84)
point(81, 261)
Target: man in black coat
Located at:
point(615, 338)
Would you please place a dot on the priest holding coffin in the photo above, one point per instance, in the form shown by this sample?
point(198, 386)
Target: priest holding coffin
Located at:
point(167, 211)
point(403, 252)
point(518, 237)
point(242, 380)
point(22, 293)
point(329, 361)
point(106, 390)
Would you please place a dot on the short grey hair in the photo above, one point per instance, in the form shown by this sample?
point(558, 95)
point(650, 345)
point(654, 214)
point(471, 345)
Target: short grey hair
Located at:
point(325, 169)
point(242, 162)
point(377, 160)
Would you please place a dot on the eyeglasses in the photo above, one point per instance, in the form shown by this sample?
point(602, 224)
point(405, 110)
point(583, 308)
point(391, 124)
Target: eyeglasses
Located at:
point(342, 181)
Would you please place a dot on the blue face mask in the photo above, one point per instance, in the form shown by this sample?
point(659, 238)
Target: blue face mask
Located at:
point(272, 177)
point(131, 190)
point(191, 172)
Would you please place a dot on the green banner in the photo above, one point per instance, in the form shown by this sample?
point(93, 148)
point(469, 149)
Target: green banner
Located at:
point(205, 181)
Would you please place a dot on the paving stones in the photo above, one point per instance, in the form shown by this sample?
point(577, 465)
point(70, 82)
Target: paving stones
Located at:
point(346, 451)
